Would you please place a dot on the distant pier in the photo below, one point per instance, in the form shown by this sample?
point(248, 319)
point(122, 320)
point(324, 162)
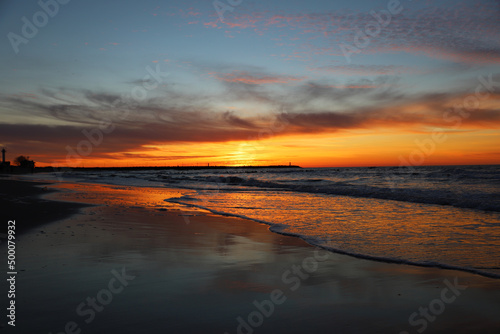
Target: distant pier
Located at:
point(48, 169)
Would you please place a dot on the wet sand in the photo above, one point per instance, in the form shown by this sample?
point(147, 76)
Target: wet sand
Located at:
point(20, 200)
point(136, 264)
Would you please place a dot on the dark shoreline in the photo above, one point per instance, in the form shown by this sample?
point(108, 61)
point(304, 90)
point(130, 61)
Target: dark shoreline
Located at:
point(21, 201)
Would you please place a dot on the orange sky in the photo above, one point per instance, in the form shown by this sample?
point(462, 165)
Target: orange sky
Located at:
point(429, 130)
point(353, 148)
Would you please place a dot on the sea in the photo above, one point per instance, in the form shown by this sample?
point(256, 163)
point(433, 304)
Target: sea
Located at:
point(438, 216)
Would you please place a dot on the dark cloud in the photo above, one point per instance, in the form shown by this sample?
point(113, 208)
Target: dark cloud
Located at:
point(236, 121)
point(245, 92)
point(311, 107)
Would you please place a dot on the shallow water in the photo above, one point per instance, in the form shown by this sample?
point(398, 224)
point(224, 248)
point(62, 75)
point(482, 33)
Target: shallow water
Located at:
point(442, 216)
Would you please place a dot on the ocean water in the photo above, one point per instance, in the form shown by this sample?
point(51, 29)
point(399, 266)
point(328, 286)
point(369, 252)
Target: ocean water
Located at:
point(444, 216)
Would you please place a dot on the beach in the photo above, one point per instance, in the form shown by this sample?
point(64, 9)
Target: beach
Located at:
point(250, 167)
point(21, 199)
point(129, 263)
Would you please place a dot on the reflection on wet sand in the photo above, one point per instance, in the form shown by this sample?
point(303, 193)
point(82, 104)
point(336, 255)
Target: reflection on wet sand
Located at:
point(201, 275)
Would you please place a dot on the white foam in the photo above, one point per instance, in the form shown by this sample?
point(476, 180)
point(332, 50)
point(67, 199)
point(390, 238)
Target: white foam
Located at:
point(320, 242)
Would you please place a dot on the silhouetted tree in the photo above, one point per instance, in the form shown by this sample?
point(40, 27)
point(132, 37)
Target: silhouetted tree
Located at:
point(21, 160)
point(24, 162)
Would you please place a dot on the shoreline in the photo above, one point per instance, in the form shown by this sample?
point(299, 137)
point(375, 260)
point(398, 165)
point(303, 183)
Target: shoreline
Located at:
point(51, 189)
point(441, 266)
point(207, 273)
point(23, 201)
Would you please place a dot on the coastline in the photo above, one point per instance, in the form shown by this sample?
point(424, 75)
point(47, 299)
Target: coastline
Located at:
point(24, 202)
point(195, 272)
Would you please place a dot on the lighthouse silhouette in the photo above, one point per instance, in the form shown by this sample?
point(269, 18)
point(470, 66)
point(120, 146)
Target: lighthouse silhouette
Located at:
point(5, 165)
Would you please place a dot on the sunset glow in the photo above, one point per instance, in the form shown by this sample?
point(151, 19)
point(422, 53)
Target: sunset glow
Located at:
point(314, 84)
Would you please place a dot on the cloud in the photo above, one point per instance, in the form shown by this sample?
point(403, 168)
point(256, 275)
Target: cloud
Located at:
point(432, 31)
point(408, 117)
point(466, 32)
point(339, 96)
point(164, 121)
point(142, 156)
point(364, 70)
point(236, 121)
point(255, 78)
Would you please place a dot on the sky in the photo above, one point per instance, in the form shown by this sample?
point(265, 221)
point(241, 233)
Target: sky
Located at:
point(240, 82)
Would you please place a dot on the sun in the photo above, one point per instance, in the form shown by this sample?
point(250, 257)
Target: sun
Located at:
point(245, 154)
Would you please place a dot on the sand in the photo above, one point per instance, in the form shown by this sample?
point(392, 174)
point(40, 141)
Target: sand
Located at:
point(132, 263)
point(21, 200)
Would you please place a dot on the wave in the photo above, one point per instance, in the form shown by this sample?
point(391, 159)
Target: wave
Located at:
point(480, 201)
point(469, 187)
point(319, 242)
